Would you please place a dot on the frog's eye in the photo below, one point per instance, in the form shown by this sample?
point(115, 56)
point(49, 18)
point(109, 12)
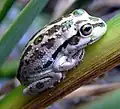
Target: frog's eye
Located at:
point(74, 40)
point(86, 29)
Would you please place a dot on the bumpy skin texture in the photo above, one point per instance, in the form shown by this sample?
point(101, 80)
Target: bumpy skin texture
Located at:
point(57, 48)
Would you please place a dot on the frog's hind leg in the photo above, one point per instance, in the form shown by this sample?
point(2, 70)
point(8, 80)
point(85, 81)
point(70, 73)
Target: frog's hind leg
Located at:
point(44, 83)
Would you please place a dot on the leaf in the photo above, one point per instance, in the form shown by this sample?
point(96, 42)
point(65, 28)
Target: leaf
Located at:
point(7, 5)
point(9, 68)
point(18, 28)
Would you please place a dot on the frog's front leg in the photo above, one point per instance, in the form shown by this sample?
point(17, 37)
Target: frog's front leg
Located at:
point(45, 81)
point(64, 63)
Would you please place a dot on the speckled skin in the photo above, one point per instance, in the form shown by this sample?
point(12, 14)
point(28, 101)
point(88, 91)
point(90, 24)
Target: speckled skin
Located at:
point(56, 48)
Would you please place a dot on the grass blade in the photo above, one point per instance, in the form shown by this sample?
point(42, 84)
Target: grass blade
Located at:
point(18, 28)
point(7, 5)
point(9, 68)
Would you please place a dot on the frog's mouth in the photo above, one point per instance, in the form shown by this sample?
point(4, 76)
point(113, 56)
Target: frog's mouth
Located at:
point(89, 43)
point(93, 41)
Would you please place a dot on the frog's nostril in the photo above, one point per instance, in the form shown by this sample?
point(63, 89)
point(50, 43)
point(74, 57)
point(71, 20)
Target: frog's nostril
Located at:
point(102, 24)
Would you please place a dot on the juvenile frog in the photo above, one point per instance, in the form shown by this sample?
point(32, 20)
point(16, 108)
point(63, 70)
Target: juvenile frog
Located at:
point(57, 48)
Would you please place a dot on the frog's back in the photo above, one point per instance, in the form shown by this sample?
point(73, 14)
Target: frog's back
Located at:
point(41, 50)
point(44, 46)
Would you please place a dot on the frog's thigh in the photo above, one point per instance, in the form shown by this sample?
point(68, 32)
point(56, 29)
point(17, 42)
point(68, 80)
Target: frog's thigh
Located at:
point(42, 84)
point(65, 63)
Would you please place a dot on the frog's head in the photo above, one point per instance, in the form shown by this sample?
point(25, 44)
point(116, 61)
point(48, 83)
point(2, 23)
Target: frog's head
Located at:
point(89, 29)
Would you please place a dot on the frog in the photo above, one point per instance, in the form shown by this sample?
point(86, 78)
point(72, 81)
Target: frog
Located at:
point(57, 48)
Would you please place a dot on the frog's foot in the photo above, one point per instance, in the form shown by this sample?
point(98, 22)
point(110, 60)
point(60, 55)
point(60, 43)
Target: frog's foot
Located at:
point(43, 83)
point(65, 63)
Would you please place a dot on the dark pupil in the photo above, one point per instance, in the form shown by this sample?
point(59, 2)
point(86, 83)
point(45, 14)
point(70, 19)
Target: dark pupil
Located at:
point(87, 29)
point(74, 40)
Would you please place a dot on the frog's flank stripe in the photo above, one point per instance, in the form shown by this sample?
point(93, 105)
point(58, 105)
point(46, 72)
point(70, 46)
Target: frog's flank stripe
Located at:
point(59, 49)
point(56, 53)
point(47, 64)
point(63, 46)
